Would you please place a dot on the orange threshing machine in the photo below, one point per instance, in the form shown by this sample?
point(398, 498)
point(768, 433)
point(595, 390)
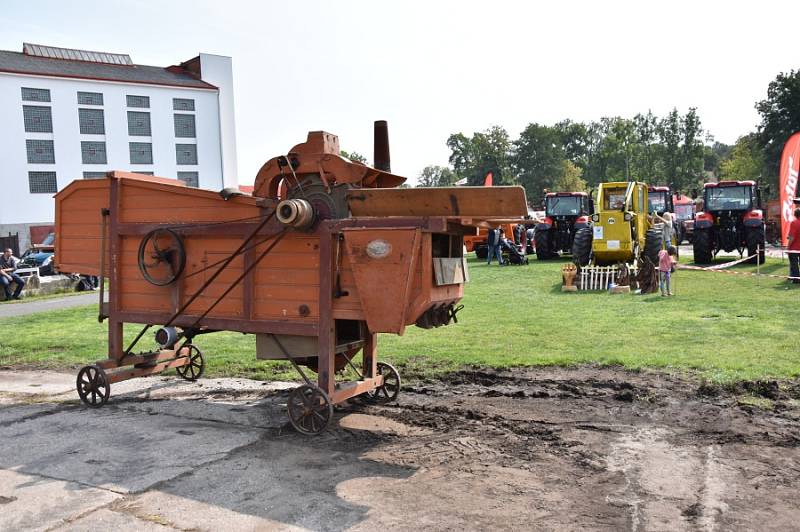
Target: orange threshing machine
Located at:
point(324, 255)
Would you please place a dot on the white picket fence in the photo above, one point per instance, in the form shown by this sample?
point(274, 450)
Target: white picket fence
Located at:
point(599, 277)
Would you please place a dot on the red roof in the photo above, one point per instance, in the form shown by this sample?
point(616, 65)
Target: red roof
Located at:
point(730, 184)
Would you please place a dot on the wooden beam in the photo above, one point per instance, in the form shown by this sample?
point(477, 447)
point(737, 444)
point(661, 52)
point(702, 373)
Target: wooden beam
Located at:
point(463, 202)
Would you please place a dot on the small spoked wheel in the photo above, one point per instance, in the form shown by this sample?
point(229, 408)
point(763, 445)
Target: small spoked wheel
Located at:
point(93, 386)
point(390, 389)
point(310, 409)
point(196, 366)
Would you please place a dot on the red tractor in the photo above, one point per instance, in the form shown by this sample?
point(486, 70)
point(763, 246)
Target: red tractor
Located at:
point(732, 219)
point(565, 213)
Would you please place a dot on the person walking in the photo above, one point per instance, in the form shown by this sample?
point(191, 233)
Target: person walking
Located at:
point(794, 248)
point(8, 265)
point(493, 241)
point(666, 265)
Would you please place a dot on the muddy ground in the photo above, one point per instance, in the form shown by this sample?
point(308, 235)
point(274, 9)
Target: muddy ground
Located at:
point(535, 449)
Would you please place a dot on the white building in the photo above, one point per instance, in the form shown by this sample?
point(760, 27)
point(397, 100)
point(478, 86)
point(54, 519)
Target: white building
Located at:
point(74, 114)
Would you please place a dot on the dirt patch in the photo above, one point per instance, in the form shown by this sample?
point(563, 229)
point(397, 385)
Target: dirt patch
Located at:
point(597, 448)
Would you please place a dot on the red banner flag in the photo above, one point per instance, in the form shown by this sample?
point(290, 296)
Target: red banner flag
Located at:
point(790, 166)
point(487, 181)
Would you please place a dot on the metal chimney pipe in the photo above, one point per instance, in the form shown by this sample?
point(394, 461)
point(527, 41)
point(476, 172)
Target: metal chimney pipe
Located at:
point(381, 159)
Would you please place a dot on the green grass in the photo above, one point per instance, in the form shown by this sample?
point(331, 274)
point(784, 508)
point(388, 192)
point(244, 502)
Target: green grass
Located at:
point(727, 327)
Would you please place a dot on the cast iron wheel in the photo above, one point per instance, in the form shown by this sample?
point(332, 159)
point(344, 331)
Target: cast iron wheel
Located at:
point(162, 256)
point(93, 387)
point(390, 389)
point(756, 238)
point(653, 240)
point(196, 366)
point(543, 251)
point(582, 246)
point(309, 408)
point(701, 245)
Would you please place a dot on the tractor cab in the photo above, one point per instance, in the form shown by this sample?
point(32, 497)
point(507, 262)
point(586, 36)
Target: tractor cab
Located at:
point(659, 200)
point(565, 213)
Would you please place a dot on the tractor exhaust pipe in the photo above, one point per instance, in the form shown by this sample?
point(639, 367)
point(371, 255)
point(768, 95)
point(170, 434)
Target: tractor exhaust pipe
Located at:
point(381, 157)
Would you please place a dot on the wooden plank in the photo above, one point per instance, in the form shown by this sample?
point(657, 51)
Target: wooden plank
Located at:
point(463, 202)
point(346, 390)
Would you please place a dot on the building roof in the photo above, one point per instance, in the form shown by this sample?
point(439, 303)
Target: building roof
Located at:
point(38, 60)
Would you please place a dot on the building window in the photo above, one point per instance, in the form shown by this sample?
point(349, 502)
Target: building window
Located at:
point(184, 126)
point(93, 152)
point(42, 182)
point(186, 153)
point(138, 124)
point(37, 119)
point(141, 153)
point(90, 98)
point(143, 173)
point(183, 104)
point(138, 101)
point(91, 121)
point(35, 95)
point(191, 179)
point(94, 175)
point(40, 151)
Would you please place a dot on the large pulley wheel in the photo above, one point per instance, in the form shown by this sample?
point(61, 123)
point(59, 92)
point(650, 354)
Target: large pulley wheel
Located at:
point(93, 386)
point(390, 389)
point(196, 365)
point(162, 256)
point(310, 409)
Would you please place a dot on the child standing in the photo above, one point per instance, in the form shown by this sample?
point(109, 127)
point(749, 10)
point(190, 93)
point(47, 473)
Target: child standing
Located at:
point(666, 265)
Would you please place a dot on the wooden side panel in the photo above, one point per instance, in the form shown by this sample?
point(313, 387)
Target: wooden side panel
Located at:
point(78, 226)
point(143, 201)
point(464, 202)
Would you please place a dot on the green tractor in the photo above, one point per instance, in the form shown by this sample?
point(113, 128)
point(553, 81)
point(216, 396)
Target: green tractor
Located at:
point(621, 231)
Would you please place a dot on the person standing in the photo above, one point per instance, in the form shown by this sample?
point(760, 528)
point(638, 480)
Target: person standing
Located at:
point(667, 228)
point(493, 242)
point(8, 265)
point(666, 265)
point(794, 248)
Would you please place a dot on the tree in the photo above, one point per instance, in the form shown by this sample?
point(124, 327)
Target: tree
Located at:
point(570, 180)
point(691, 154)
point(353, 156)
point(780, 118)
point(746, 160)
point(436, 176)
point(714, 155)
point(646, 165)
point(486, 151)
point(538, 156)
point(669, 132)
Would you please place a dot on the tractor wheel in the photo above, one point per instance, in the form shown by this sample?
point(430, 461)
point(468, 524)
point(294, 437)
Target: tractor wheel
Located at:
point(756, 242)
point(702, 246)
point(482, 252)
point(582, 246)
point(543, 251)
point(653, 241)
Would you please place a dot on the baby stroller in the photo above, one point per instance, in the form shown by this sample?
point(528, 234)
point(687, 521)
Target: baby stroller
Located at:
point(514, 254)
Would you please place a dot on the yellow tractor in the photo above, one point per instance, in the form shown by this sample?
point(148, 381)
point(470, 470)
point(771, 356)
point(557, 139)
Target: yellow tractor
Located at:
point(621, 231)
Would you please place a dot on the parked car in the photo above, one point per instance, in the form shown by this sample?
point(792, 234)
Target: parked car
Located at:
point(40, 256)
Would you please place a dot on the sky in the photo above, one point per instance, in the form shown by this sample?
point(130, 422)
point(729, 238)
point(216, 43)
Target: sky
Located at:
point(433, 68)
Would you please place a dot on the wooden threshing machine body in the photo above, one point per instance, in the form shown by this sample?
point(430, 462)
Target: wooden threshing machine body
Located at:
point(324, 255)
